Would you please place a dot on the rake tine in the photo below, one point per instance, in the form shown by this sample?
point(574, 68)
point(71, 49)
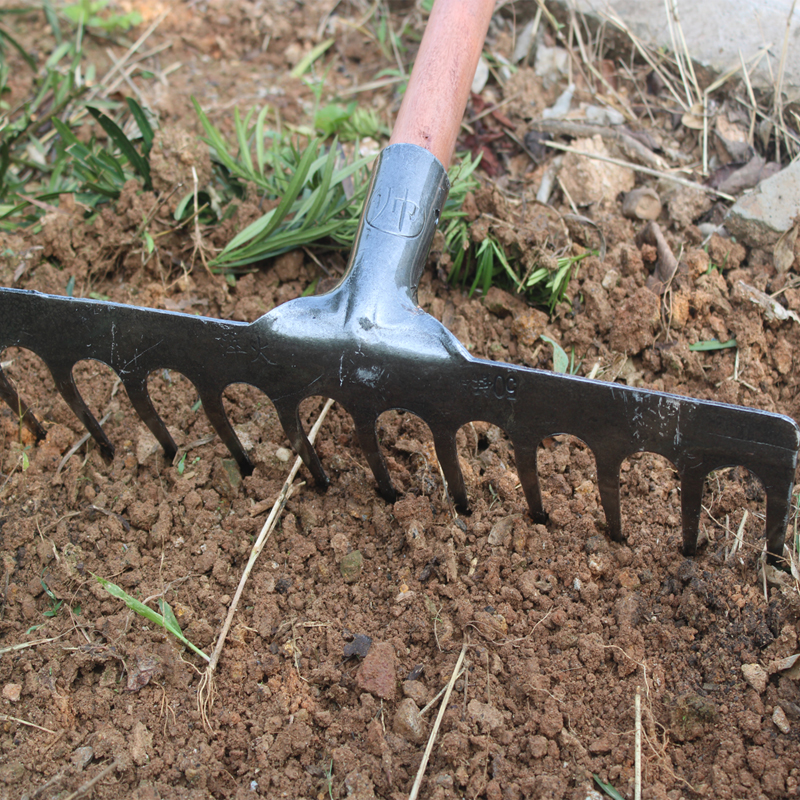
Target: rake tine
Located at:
point(215, 411)
point(525, 457)
point(447, 453)
point(289, 416)
point(368, 439)
point(65, 383)
point(608, 485)
point(778, 505)
point(9, 394)
point(691, 507)
point(143, 405)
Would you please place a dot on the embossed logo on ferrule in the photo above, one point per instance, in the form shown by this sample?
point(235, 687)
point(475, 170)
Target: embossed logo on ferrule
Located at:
point(392, 211)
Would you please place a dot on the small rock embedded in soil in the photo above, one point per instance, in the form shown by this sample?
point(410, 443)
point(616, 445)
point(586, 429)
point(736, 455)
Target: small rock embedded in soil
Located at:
point(12, 692)
point(756, 676)
point(359, 786)
point(761, 216)
point(351, 566)
point(378, 672)
point(416, 691)
point(642, 203)
point(407, 721)
point(486, 715)
point(779, 718)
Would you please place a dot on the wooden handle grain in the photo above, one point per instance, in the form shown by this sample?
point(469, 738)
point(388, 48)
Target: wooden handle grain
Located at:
point(431, 112)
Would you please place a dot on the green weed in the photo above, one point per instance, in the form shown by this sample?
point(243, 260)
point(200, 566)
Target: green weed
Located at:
point(55, 603)
point(89, 14)
point(608, 789)
point(166, 619)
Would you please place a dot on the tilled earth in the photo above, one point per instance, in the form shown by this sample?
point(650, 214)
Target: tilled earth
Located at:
point(357, 610)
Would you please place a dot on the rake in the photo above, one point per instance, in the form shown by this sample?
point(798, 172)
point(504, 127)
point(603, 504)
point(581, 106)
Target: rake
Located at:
point(369, 346)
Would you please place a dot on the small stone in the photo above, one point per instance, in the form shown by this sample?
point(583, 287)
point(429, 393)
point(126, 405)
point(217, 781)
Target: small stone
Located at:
point(760, 217)
point(12, 692)
point(502, 304)
point(378, 672)
point(283, 454)
point(756, 676)
point(486, 715)
point(416, 691)
point(500, 534)
point(359, 786)
point(407, 721)
point(642, 203)
point(779, 718)
point(228, 479)
point(351, 566)
point(146, 445)
point(82, 756)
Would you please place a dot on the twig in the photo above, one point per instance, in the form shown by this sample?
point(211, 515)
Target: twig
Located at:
point(645, 170)
point(441, 691)
point(637, 754)
point(77, 446)
point(205, 692)
point(9, 718)
point(131, 50)
point(432, 738)
point(632, 147)
point(89, 784)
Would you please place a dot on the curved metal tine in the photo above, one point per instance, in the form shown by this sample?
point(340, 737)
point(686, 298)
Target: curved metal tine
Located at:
point(143, 406)
point(691, 507)
point(525, 458)
point(608, 485)
point(289, 415)
point(65, 383)
point(779, 501)
point(368, 439)
point(215, 411)
point(9, 395)
point(447, 453)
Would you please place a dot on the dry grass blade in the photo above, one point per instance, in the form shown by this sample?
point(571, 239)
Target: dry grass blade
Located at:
point(778, 100)
point(432, 738)
point(205, 692)
point(93, 782)
point(9, 718)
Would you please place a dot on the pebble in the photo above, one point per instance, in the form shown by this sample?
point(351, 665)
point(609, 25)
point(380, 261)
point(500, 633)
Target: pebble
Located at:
point(500, 534)
point(407, 721)
point(486, 715)
point(779, 718)
point(82, 756)
point(378, 672)
point(283, 454)
point(759, 217)
point(756, 676)
point(12, 692)
point(351, 566)
point(416, 691)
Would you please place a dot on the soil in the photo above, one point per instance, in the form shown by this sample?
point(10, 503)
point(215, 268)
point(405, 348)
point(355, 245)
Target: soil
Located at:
point(357, 610)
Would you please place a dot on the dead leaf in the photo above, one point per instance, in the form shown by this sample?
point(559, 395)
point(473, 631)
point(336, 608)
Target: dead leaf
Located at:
point(773, 310)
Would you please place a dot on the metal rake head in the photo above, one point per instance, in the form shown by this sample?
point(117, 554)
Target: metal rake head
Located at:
point(370, 347)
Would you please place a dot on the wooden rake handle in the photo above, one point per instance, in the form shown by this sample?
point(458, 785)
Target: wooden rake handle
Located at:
point(433, 107)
